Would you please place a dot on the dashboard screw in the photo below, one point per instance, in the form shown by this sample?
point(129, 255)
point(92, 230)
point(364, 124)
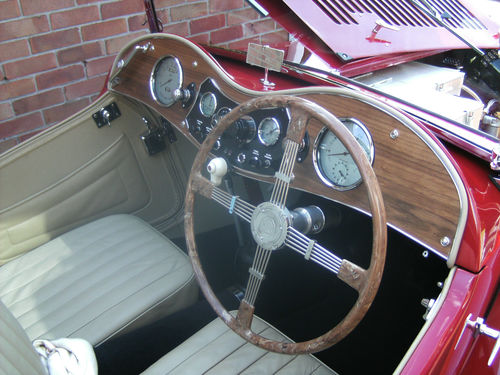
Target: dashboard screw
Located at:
point(445, 241)
point(394, 134)
point(195, 64)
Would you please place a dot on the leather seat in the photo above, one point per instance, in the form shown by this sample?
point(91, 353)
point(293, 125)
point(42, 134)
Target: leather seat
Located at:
point(217, 350)
point(97, 279)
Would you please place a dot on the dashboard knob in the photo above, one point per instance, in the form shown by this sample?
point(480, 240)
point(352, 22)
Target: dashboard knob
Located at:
point(255, 162)
point(246, 129)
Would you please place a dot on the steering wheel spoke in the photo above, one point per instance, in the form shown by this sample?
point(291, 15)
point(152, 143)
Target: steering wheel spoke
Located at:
point(313, 251)
point(233, 203)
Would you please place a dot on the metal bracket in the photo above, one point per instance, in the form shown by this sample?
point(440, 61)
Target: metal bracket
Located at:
point(480, 328)
point(106, 114)
point(495, 158)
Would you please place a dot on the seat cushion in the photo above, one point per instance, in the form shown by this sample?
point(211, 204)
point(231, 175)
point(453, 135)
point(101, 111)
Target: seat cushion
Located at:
point(95, 280)
point(217, 350)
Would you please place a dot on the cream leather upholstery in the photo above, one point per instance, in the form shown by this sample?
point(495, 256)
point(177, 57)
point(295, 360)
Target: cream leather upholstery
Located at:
point(17, 356)
point(217, 350)
point(94, 280)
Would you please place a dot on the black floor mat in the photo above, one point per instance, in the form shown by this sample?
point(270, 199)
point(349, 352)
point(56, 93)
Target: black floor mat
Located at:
point(133, 352)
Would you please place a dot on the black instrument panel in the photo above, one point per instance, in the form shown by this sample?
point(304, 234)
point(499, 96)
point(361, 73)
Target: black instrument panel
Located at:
point(253, 142)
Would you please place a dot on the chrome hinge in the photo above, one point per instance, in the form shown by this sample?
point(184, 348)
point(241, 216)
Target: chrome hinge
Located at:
point(480, 328)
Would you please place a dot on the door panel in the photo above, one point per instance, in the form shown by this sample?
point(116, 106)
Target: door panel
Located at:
point(76, 172)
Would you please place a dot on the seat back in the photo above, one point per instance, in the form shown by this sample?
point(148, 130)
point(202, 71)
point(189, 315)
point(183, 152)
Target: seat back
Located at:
point(17, 355)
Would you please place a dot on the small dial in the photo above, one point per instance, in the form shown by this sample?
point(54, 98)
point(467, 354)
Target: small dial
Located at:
point(166, 78)
point(218, 116)
point(334, 163)
point(269, 131)
point(208, 104)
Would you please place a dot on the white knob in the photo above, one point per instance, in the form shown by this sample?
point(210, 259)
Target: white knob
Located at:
point(217, 169)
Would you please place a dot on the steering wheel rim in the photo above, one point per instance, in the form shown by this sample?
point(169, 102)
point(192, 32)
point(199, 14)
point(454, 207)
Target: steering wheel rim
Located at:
point(365, 282)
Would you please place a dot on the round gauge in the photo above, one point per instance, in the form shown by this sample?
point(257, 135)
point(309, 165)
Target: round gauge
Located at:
point(333, 162)
point(165, 79)
point(269, 131)
point(208, 104)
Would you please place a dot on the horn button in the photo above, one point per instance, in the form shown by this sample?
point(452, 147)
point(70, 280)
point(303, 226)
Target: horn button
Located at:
point(269, 225)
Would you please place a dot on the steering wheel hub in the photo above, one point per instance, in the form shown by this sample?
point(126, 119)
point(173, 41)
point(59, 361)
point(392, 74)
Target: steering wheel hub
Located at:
point(269, 225)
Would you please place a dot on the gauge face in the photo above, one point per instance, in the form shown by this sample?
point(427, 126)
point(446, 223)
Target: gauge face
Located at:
point(208, 104)
point(333, 162)
point(165, 79)
point(269, 131)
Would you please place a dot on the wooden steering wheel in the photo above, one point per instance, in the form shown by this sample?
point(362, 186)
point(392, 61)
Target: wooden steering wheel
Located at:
point(271, 225)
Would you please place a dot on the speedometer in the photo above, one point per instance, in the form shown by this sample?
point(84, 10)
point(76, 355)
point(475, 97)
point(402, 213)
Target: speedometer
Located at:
point(333, 162)
point(165, 79)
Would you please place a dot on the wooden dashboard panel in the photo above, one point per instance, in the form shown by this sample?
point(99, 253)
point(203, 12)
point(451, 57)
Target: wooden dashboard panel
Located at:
point(422, 192)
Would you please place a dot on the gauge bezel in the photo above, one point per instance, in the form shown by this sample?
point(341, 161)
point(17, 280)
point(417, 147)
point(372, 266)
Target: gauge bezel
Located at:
point(200, 104)
point(259, 135)
point(152, 79)
point(316, 157)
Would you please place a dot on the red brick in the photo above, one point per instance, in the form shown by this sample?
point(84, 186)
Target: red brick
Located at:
point(237, 17)
point(9, 9)
point(79, 53)
point(27, 136)
point(179, 28)
point(38, 101)
point(188, 11)
point(258, 27)
point(61, 112)
point(84, 88)
point(161, 4)
point(14, 50)
point(200, 38)
point(209, 23)
point(83, 2)
point(31, 65)
point(54, 40)
point(36, 6)
point(221, 6)
point(226, 34)
point(23, 27)
point(104, 29)
point(16, 88)
point(7, 145)
point(73, 17)
point(115, 44)
point(138, 22)
point(99, 66)
point(6, 111)
point(20, 125)
point(59, 77)
point(121, 8)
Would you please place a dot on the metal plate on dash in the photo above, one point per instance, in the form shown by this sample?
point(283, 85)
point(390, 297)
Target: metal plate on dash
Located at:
point(265, 57)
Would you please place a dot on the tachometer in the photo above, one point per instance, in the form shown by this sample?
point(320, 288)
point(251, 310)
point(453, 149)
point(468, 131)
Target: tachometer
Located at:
point(165, 79)
point(333, 163)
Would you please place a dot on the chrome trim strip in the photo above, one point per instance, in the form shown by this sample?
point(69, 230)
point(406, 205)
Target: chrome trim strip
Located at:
point(347, 92)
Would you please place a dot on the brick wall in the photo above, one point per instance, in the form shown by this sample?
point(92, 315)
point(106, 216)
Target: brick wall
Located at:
point(55, 54)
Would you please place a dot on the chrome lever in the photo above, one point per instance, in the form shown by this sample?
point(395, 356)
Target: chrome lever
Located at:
point(480, 328)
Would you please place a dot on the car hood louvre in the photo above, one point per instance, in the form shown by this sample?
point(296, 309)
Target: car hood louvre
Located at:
point(381, 27)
